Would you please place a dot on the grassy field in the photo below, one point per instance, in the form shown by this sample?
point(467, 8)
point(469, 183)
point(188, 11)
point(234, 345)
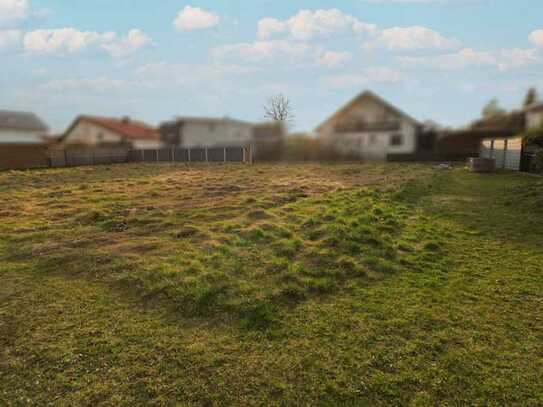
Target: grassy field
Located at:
point(270, 285)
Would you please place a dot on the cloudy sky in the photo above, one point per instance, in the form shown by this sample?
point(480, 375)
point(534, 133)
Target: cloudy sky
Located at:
point(152, 60)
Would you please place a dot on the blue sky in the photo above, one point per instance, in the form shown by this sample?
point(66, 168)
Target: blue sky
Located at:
point(152, 60)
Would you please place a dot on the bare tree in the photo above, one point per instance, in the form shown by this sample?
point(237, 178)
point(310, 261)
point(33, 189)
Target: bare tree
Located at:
point(278, 108)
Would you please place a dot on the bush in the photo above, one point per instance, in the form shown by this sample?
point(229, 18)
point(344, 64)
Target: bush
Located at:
point(538, 164)
point(534, 136)
point(303, 147)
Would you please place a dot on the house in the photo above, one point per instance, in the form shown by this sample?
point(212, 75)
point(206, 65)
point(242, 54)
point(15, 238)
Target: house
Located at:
point(369, 127)
point(94, 131)
point(22, 140)
point(21, 128)
point(198, 132)
point(194, 132)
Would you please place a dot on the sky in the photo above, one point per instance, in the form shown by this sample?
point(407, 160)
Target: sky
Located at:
point(439, 60)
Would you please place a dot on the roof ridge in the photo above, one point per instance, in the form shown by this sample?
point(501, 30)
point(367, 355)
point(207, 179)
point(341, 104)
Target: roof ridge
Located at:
point(370, 93)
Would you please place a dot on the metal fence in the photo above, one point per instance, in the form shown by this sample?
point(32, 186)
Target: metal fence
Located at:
point(97, 156)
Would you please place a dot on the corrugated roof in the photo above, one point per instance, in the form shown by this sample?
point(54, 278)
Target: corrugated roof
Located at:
point(130, 129)
point(21, 121)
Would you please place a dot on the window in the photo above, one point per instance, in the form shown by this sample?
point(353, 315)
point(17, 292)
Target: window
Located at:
point(396, 140)
point(373, 138)
point(100, 137)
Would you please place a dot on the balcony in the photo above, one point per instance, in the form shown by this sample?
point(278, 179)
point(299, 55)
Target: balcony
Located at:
point(361, 127)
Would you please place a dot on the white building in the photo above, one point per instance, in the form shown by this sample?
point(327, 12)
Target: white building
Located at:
point(92, 131)
point(370, 128)
point(193, 132)
point(534, 116)
point(21, 128)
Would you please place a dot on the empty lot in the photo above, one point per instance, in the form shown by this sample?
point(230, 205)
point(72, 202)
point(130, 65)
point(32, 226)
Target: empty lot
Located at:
point(307, 284)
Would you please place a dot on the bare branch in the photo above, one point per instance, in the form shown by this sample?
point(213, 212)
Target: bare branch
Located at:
point(278, 108)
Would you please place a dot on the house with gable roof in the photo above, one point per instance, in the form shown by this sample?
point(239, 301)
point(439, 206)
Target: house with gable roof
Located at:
point(368, 127)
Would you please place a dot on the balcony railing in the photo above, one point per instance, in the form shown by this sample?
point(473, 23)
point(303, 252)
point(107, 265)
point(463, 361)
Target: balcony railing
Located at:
point(359, 127)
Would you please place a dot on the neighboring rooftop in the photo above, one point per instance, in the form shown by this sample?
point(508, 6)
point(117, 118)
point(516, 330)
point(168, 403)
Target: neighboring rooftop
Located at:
point(130, 129)
point(28, 121)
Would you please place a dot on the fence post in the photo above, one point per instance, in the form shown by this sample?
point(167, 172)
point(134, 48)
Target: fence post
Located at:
point(188, 152)
point(172, 155)
point(156, 152)
point(65, 158)
point(505, 145)
point(205, 149)
point(92, 156)
point(225, 154)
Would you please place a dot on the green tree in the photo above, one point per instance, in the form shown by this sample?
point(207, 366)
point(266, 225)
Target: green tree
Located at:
point(531, 97)
point(492, 108)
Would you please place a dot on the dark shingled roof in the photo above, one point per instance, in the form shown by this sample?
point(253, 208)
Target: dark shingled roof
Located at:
point(21, 121)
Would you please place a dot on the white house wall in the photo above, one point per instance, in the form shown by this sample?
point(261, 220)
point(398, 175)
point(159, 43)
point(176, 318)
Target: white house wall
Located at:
point(215, 134)
point(146, 144)
point(90, 134)
point(534, 119)
point(20, 137)
point(374, 145)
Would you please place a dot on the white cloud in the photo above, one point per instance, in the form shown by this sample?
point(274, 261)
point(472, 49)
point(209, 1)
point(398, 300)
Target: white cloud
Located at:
point(98, 85)
point(412, 38)
point(161, 74)
point(269, 27)
point(332, 59)
point(71, 40)
point(63, 39)
point(132, 42)
point(10, 38)
point(284, 52)
point(369, 75)
point(195, 18)
point(536, 37)
point(13, 10)
point(455, 2)
point(263, 51)
point(307, 25)
point(504, 59)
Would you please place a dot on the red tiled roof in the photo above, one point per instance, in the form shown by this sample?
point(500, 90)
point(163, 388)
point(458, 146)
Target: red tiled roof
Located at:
point(133, 130)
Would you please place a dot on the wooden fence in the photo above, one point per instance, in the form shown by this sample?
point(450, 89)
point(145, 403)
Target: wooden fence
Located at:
point(23, 156)
point(97, 156)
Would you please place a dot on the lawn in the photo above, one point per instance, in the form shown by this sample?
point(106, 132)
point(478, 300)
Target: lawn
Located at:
point(351, 284)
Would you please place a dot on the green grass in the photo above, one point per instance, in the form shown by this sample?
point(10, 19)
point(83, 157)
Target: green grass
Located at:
point(270, 285)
